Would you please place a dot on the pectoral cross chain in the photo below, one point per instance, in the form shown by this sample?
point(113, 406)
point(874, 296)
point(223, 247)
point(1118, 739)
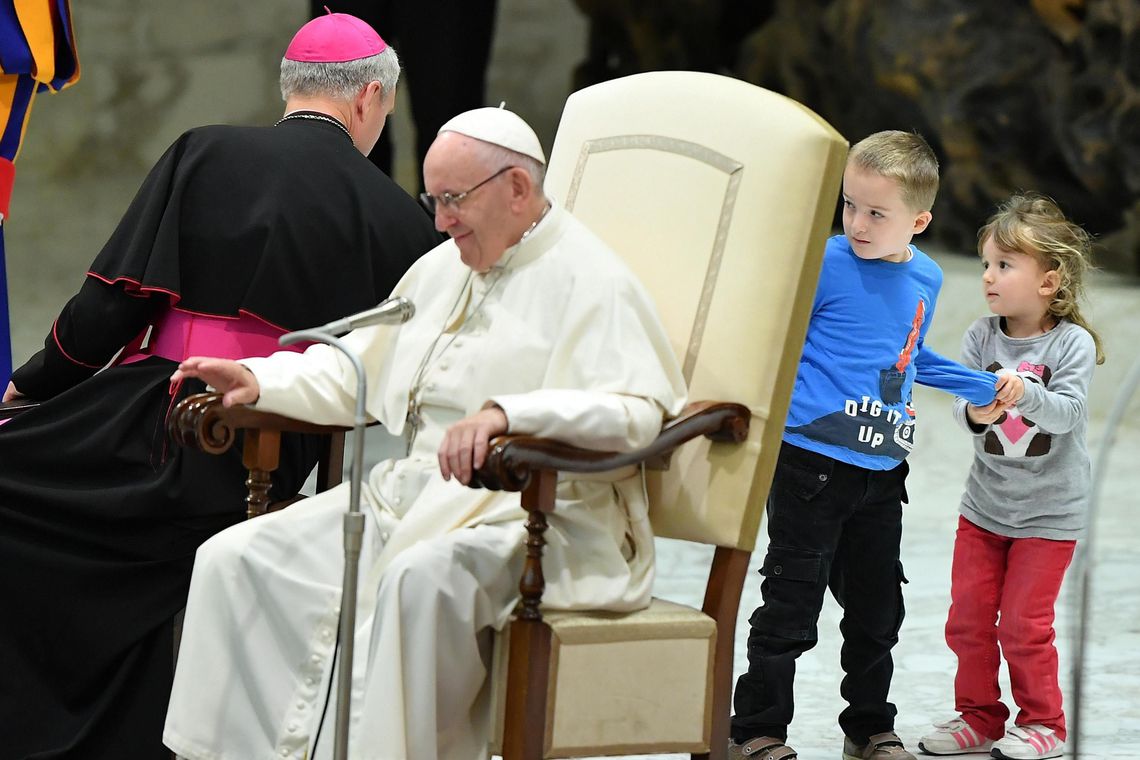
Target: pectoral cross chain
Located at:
point(414, 418)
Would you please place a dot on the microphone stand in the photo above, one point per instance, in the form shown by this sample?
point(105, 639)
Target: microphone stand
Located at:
point(1084, 560)
point(353, 536)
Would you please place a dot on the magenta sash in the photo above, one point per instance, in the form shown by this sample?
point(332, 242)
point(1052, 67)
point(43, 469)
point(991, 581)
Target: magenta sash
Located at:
point(178, 335)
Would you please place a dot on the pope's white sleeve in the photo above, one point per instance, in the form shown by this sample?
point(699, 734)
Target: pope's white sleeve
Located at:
point(588, 419)
point(309, 386)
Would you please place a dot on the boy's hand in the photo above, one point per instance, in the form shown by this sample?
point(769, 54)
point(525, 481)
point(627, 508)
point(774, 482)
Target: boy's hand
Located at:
point(1009, 388)
point(986, 415)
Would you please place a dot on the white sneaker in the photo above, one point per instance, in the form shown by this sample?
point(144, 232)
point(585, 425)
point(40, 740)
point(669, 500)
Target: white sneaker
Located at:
point(954, 737)
point(1029, 742)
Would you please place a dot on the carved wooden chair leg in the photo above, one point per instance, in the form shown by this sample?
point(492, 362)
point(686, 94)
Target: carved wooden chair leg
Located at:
point(525, 726)
point(261, 455)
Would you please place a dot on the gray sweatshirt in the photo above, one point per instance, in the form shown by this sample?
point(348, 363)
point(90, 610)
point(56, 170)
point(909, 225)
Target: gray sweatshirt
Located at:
point(1031, 475)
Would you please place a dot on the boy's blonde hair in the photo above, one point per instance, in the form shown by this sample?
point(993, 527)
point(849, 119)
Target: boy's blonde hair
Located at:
point(1034, 225)
point(904, 157)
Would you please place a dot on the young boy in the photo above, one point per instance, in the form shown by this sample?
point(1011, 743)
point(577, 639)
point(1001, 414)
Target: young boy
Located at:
point(835, 507)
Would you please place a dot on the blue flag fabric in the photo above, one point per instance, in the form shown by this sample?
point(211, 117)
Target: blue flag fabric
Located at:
point(37, 53)
point(5, 327)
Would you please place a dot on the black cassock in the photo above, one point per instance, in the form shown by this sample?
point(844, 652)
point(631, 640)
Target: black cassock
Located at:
point(100, 515)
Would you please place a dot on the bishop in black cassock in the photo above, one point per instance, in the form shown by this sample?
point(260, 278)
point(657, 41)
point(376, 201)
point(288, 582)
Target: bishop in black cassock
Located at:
point(271, 228)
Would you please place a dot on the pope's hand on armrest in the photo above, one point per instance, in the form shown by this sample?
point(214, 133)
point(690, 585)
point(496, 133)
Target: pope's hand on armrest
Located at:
point(464, 446)
point(233, 380)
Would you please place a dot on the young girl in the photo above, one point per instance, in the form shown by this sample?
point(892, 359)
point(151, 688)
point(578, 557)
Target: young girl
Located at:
point(1026, 496)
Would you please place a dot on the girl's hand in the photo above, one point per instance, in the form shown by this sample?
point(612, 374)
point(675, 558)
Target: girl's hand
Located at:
point(1009, 388)
point(986, 415)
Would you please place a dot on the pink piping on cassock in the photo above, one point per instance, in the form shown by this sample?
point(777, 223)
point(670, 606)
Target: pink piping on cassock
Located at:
point(134, 287)
point(69, 357)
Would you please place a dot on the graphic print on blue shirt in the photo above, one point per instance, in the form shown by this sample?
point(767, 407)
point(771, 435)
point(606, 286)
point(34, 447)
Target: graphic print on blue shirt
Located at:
point(863, 351)
point(892, 378)
point(883, 431)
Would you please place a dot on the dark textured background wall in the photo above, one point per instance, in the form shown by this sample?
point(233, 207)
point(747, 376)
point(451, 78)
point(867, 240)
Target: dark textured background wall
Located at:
point(1012, 94)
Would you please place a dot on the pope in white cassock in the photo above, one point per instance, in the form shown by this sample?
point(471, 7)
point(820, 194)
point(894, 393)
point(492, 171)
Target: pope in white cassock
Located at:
point(525, 323)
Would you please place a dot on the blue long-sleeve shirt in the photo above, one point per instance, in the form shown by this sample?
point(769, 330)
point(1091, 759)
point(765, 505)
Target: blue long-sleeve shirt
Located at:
point(862, 355)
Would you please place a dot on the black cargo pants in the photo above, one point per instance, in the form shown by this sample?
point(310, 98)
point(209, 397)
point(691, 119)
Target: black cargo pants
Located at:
point(838, 526)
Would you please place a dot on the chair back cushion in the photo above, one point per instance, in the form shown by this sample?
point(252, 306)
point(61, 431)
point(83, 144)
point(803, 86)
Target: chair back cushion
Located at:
point(720, 196)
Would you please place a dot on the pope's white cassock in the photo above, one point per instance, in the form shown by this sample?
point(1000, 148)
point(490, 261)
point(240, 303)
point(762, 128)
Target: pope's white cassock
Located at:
point(562, 337)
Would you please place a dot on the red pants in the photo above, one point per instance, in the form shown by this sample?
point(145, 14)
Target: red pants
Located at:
point(1020, 578)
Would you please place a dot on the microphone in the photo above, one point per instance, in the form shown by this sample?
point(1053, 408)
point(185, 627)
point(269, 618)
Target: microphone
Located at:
point(391, 311)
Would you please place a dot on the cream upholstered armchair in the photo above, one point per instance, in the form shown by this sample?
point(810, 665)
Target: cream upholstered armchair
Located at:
point(719, 195)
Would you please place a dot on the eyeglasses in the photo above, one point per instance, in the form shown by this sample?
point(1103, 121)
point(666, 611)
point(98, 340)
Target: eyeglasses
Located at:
point(451, 201)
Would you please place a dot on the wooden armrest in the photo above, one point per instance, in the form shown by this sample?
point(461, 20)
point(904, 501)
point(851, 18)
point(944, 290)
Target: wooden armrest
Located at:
point(531, 465)
point(513, 459)
point(10, 409)
point(201, 422)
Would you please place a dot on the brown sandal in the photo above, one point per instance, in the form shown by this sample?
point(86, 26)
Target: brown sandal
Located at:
point(762, 748)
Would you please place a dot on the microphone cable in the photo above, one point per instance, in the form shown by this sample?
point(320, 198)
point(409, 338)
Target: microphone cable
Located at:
point(328, 692)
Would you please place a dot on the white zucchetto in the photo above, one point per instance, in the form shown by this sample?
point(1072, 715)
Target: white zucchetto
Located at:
point(498, 126)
